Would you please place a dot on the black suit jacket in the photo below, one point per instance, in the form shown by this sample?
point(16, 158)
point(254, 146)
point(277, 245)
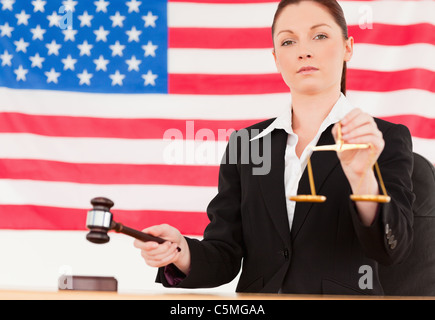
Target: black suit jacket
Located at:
point(328, 250)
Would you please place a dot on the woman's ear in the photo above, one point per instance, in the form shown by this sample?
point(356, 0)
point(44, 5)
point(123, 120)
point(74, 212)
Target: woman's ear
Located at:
point(348, 49)
point(276, 61)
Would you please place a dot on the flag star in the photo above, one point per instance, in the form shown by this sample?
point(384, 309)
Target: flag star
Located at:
point(37, 61)
point(149, 78)
point(21, 45)
point(21, 73)
point(101, 5)
point(85, 19)
point(54, 19)
point(150, 49)
point(150, 20)
point(133, 64)
point(101, 63)
point(22, 18)
point(68, 63)
point(69, 5)
point(133, 5)
point(38, 5)
point(117, 49)
point(6, 58)
point(69, 34)
point(101, 34)
point(38, 33)
point(52, 75)
point(6, 30)
point(117, 20)
point(117, 78)
point(85, 48)
point(85, 77)
point(53, 48)
point(7, 4)
point(133, 34)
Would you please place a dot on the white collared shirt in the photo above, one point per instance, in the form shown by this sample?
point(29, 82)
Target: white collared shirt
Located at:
point(294, 166)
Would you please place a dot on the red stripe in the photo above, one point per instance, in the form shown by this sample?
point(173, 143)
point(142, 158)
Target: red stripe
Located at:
point(225, 1)
point(260, 38)
point(29, 217)
point(219, 130)
point(44, 170)
point(420, 127)
point(248, 1)
point(359, 80)
point(63, 126)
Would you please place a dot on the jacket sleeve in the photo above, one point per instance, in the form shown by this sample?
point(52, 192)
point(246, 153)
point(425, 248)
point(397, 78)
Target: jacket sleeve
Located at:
point(389, 239)
point(216, 259)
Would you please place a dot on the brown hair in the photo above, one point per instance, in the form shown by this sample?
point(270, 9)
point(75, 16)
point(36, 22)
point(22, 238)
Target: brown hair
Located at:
point(336, 12)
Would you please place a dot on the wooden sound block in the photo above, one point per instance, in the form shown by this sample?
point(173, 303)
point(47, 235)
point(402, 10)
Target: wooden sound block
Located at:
point(86, 283)
point(308, 198)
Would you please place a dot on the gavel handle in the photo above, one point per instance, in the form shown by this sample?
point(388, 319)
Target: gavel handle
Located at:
point(120, 228)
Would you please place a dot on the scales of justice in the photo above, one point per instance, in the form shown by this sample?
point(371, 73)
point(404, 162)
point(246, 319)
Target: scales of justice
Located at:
point(339, 147)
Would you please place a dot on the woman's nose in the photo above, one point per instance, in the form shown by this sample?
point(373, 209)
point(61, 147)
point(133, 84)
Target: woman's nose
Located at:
point(304, 56)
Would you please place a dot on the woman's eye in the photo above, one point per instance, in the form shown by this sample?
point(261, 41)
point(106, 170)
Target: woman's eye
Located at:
point(287, 43)
point(321, 37)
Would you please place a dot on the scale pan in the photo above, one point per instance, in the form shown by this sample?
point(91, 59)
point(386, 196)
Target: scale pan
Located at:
point(371, 198)
point(308, 198)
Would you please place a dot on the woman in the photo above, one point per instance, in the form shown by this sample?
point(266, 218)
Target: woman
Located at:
point(288, 247)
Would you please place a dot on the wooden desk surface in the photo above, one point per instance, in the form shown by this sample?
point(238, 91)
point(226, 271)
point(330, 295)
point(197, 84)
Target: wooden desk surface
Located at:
point(90, 295)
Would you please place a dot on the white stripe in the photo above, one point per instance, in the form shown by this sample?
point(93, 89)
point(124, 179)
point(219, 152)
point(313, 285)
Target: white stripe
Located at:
point(113, 151)
point(222, 61)
point(126, 197)
point(220, 15)
point(360, 13)
point(424, 147)
point(402, 102)
point(137, 106)
point(393, 58)
point(260, 61)
point(211, 107)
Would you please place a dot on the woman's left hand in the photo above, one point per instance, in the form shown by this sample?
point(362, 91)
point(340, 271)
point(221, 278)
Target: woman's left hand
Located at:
point(358, 127)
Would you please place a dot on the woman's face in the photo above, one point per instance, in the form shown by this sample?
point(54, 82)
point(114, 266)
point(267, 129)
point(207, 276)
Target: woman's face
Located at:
point(309, 48)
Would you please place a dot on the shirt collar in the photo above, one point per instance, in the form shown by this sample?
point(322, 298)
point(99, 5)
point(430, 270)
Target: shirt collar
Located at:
point(284, 120)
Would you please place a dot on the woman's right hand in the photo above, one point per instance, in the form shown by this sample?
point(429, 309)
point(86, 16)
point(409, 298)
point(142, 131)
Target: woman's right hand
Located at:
point(160, 255)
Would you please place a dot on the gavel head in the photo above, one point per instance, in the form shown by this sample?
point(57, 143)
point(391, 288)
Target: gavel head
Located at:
point(99, 220)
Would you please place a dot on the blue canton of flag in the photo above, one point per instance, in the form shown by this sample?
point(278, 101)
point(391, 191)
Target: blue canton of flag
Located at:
point(90, 46)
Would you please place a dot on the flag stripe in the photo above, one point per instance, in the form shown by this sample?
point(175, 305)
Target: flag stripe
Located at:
point(31, 217)
point(197, 107)
point(44, 170)
point(210, 130)
point(209, 15)
point(245, 61)
point(134, 197)
point(244, 38)
point(358, 80)
point(111, 150)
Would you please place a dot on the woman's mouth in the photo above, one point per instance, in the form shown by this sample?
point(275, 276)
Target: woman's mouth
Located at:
point(307, 70)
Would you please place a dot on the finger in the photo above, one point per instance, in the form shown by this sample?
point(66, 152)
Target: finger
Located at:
point(360, 120)
point(149, 245)
point(362, 130)
point(161, 261)
point(350, 116)
point(160, 250)
point(161, 255)
point(156, 231)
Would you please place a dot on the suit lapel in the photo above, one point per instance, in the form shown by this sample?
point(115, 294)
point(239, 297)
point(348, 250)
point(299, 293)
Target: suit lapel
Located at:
point(272, 185)
point(323, 162)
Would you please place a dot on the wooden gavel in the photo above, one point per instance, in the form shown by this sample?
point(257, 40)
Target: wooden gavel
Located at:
point(100, 221)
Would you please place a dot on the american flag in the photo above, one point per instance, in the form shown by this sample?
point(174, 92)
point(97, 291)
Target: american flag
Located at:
point(135, 100)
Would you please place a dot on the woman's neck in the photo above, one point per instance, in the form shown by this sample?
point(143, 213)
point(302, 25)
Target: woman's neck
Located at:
point(309, 111)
